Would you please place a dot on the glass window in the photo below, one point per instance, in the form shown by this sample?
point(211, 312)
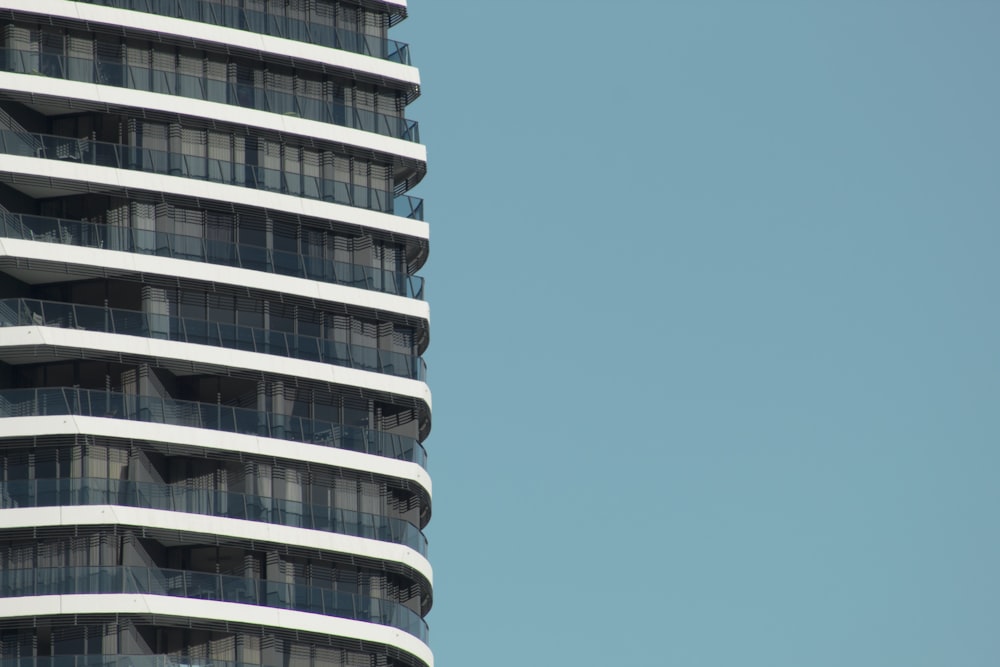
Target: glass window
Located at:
point(137, 58)
point(292, 170)
point(220, 156)
point(221, 308)
point(79, 51)
point(190, 73)
point(249, 312)
point(52, 53)
point(194, 146)
point(109, 52)
point(69, 641)
point(191, 305)
point(282, 317)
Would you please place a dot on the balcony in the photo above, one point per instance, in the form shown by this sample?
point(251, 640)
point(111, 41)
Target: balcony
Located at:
point(232, 16)
point(209, 586)
point(172, 82)
point(212, 416)
point(196, 248)
point(33, 312)
point(177, 498)
point(168, 163)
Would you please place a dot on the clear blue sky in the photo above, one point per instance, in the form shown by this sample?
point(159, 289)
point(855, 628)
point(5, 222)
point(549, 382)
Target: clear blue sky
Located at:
point(715, 335)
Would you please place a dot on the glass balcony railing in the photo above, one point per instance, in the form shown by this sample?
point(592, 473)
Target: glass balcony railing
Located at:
point(212, 416)
point(176, 498)
point(196, 248)
point(172, 82)
point(27, 312)
point(233, 15)
point(208, 586)
point(154, 161)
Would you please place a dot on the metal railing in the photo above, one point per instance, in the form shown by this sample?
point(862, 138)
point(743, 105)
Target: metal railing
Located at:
point(175, 498)
point(234, 16)
point(173, 82)
point(28, 312)
point(209, 586)
point(196, 248)
point(212, 416)
point(154, 161)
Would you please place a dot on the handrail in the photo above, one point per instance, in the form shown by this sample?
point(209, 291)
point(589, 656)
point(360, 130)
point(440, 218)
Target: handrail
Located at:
point(231, 16)
point(35, 312)
point(174, 82)
point(209, 586)
point(77, 491)
point(196, 248)
point(168, 163)
point(213, 416)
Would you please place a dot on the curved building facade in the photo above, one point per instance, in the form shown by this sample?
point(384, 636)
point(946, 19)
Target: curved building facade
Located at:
point(212, 397)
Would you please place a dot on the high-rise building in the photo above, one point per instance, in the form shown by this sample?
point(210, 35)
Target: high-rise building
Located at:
point(212, 397)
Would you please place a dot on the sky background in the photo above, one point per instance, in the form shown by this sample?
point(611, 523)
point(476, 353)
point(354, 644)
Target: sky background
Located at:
point(716, 346)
